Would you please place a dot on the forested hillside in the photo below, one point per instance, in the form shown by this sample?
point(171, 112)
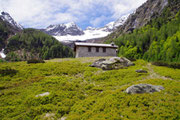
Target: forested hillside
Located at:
point(158, 40)
point(31, 43)
point(6, 30)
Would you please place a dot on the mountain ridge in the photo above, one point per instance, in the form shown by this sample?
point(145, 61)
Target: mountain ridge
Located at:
point(19, 44)
point(66, 33)
point(7, 18)
point(157, 39)
point(143, 14)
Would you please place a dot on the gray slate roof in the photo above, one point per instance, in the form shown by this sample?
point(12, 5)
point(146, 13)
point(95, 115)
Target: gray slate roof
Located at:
point(95, 45)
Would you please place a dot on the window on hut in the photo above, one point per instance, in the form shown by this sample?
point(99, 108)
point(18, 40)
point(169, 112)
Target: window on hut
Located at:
point(104, 49)
point(97, 49)
point(89, 49)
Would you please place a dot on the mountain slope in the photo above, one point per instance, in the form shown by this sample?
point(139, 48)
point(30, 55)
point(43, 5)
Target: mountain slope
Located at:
point(64, 29)
point(6, 31)
point(31, 43)
point(70, 32)
point(7, 18)
point(159, 39)
point(8, 28)
point(18, 44)
point(144, 14)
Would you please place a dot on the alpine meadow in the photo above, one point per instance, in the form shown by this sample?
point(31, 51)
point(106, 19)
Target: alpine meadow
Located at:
point(124, 67)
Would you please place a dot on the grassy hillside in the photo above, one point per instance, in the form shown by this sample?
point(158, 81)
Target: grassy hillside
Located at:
point(80, 92)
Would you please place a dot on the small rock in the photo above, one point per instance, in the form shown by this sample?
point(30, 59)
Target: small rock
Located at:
point(48, 115)
point(143, 88)
point(141, 71)
point(43, 94)
point(63, 118)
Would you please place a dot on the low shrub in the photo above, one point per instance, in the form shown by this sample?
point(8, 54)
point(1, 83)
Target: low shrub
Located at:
point(132, 59)
point(171, 65)
point(8, 71)
point(35, 61)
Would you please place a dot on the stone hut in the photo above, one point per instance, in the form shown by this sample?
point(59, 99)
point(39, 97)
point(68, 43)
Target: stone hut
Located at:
point(94, 49)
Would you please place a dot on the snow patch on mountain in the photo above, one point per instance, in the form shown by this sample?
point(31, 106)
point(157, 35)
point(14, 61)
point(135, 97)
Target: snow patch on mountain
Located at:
point(2, 53)
point(6, 17)
point(88, 34)
point(120, 21)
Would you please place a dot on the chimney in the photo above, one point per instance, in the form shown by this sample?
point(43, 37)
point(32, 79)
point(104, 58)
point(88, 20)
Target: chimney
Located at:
point(112, 44)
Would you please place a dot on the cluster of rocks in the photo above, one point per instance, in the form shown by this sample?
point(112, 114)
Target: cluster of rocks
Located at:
point(112, 63)
point(121, 62)
point(143, 88)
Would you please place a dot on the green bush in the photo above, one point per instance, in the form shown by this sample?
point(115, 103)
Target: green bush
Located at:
point(171, 65)
point(8, 71)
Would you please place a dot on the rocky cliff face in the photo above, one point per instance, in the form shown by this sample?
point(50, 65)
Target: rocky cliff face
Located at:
point(146, 12)
point(8, 19)
point(6, 31)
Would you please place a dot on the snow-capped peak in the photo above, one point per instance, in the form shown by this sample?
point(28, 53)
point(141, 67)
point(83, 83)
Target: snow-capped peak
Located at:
point(90, 28)
point(71, 32)
point(121, 20)
point(6, 17)
point(110, 25)
point(70, 24)
point(64, 29)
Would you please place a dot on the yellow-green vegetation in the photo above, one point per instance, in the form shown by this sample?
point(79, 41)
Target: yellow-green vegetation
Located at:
point(80, 92)
point(168, 72)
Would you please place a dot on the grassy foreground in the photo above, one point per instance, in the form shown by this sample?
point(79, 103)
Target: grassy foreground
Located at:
point(80, 92)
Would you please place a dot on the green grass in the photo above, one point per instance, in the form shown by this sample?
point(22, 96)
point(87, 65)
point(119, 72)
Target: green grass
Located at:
point(168, 72)
point(80, 92)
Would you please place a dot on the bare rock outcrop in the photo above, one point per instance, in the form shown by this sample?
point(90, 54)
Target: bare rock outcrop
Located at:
point(112, 63)
point(143, 88)
point(141, 71)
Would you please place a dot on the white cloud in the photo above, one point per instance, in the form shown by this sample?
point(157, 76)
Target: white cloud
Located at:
point(41, 13)
point(97, 21)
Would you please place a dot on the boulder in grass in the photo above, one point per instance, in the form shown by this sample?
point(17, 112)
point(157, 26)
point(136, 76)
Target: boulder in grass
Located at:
point(143, 88)
point(43, 94)
point(98, 63)
point(141, 71)
point(112, 63)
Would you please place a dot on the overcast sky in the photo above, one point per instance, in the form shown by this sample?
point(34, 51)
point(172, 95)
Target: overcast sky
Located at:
point(42, 13)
